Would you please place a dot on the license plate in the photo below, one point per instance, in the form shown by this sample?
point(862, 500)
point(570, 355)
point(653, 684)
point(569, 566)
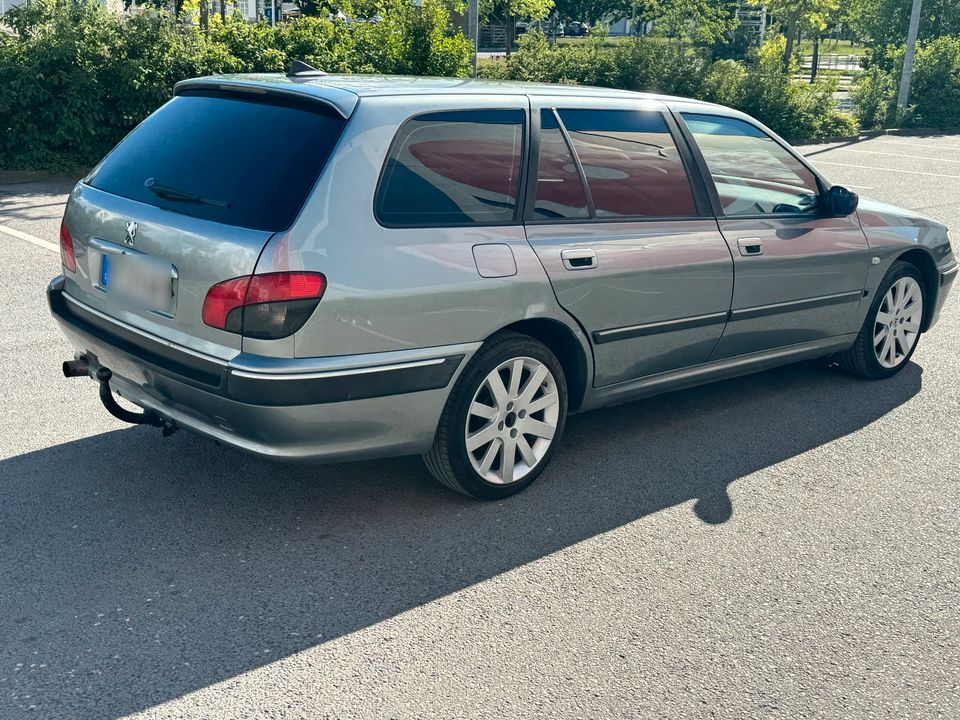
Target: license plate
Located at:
point(139, 280)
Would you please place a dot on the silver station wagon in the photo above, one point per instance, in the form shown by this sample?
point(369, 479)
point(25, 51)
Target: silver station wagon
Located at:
point(322, 268)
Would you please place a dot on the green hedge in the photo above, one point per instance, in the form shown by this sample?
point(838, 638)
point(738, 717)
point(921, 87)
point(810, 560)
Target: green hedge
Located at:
point(76, 78)
point(934, 91)
point(761, 87)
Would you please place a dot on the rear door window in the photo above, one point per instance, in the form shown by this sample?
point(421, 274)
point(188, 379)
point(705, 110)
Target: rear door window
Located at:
point(453, 168)
point(753, 173)
point(245, 161)
point(631, 164)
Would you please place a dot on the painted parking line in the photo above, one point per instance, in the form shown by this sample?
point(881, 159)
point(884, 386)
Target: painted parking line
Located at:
point(955, 148)
point(884, 169)
point(897, 155)
point(45, 244)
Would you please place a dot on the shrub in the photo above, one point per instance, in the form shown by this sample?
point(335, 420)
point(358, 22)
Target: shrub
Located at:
point(873, 98)
point(77, 77)
point(764, 89)
point(641, 64)
point(796, 110)
point(935, 91)
point(726, 83)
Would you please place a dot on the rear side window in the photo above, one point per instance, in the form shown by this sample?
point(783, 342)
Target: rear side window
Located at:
point(248, 162)
point(632, 167)
point(753, 173)
point(453, 168)
point(560, 192)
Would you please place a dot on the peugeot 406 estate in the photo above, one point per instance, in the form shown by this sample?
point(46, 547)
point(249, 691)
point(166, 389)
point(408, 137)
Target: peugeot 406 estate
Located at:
point(314, 267)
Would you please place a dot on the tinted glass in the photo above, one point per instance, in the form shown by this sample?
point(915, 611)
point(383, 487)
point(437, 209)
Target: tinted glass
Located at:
point(256, 160)
point(453, 168)
point(560, 191)
point(632, 167)
point(753, 173)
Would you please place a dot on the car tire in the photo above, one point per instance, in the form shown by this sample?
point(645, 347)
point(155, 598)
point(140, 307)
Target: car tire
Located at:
point(507, 401)
point(891, 330)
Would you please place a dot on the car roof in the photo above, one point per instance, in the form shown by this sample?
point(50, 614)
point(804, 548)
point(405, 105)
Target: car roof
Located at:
point(343, 91)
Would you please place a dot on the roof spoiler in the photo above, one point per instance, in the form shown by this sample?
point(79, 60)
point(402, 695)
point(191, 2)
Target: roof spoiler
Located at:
point(337, 99)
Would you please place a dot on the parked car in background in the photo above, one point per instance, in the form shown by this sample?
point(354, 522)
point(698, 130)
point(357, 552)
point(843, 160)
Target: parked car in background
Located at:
point(449, 267)
point(576, 29)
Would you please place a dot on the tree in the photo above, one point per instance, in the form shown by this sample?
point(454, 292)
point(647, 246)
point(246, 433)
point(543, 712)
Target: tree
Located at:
point(699, 21)
point(508, 12)
point(593, 11)
point(885, 21)
point(801, 15)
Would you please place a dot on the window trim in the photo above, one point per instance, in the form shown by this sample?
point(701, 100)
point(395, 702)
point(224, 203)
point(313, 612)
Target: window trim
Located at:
point(571, 148)
point(534, 172)
point(521, 177)
point(698, 190)
point(822, 184)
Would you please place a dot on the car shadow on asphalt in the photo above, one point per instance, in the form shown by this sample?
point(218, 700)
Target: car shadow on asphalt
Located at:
point(137, 569)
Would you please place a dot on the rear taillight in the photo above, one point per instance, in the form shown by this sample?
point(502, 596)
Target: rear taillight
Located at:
point(267, 306)
point(66, 248)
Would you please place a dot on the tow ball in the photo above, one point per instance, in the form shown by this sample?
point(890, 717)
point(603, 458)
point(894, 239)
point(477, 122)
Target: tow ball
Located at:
point(81, 367)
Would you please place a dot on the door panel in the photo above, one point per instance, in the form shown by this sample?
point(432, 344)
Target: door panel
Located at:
point(615, 223)
point(799, 276)
point(656, 297)
point(807, 283)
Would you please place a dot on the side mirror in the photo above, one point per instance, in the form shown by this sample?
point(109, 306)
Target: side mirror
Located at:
point(840, 202)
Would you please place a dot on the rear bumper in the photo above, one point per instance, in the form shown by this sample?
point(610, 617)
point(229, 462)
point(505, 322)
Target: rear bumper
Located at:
point(314, 409)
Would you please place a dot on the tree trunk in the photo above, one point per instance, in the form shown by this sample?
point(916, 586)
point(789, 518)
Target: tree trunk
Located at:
point(204, 15)
point(791, 34)
point(223, 11)
point(815, 61)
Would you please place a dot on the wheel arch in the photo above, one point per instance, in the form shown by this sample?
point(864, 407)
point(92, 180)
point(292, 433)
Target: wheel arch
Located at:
point(924, 262)
point(566, 346)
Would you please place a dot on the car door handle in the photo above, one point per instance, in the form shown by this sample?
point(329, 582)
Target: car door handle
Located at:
point(578, 258)
point(750, 246)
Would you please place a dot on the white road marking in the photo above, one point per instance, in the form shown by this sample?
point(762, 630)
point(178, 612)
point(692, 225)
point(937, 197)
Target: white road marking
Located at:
point(45, 244)
point(899, 155)
point(955, 148)
point(883, 169)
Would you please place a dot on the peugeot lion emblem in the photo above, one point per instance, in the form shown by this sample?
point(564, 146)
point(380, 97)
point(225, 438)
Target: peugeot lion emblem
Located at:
point(131, 232)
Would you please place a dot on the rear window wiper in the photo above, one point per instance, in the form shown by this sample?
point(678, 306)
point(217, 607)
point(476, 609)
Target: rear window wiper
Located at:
point(169, 192)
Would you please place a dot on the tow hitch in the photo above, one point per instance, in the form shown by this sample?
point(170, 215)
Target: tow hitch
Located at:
point(81, 367)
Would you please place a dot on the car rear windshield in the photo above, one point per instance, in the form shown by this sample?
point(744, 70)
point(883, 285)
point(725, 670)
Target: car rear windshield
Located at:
point(244, 161)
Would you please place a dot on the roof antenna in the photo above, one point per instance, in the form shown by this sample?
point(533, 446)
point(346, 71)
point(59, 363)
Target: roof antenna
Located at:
point(298, 68)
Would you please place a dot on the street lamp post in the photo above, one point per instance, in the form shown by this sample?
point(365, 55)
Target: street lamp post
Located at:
point(473, 30)
point(904, 95)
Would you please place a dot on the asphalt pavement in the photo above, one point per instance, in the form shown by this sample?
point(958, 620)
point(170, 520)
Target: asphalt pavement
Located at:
point(783, 545)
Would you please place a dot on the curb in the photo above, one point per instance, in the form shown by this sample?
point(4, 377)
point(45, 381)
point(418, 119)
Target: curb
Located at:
point(21, 177)
point(901, 132)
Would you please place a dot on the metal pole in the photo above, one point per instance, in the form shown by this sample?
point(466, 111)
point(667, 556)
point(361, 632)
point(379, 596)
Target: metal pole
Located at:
point(904, 95)
point(473, 30)
point(273, 13)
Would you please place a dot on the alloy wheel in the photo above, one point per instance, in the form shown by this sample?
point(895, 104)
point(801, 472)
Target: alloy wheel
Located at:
point(897, 325)
point(512, 420)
